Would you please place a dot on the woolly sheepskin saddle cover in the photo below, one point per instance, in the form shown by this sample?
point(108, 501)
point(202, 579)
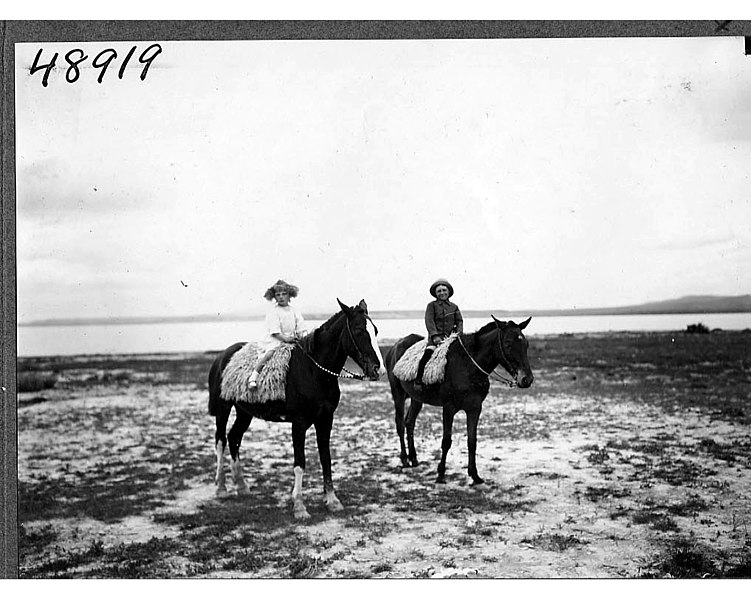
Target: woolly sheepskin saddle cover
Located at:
point(406, 367)
point(271, 381)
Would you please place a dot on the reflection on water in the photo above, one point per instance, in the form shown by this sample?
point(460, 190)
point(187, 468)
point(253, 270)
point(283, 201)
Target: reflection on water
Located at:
point(199, 337)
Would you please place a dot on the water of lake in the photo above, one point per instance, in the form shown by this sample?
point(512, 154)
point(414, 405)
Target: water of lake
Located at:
point(199, 337)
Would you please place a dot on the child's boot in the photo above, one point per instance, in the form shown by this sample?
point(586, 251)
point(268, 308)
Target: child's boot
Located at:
point(252, 382)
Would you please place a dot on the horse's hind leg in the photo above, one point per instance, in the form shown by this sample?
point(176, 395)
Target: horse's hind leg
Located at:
point(415, 407)
point(323, 438)
point(220, 443)
point(239, 427)
point(448, 425)
point(298, 444)
point(400, 398)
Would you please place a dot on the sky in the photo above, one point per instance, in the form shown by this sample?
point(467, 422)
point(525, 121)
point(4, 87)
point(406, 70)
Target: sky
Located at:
point(533, 174)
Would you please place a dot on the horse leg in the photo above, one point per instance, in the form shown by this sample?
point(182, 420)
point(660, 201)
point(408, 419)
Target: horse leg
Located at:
point(473, 418)
point(220, 443)
point(239, 427)
point(298, 443)
point(323, 438)
point(414, 409)
point(448, 425)
point(399, 402)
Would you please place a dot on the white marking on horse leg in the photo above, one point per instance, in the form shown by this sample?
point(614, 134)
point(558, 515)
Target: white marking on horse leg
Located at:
point(374, 343)
point(298, 505)
point(237, 477)
point(221, 486)
point(332, 502)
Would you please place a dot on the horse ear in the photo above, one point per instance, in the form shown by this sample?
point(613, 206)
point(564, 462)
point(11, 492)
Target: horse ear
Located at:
point(344, 308)
point(523, 324)
point(363, 305)
point(498, 323)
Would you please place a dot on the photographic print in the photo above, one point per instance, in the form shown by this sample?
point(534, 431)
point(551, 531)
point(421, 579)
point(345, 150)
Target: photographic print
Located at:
point(449, 307)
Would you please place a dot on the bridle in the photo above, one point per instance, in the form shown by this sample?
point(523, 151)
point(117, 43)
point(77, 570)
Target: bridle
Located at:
point(505, 363)
point(360, 356)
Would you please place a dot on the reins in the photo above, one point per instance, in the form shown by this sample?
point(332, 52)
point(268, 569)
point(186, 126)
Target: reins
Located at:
point(496, 376)
point(349, 374)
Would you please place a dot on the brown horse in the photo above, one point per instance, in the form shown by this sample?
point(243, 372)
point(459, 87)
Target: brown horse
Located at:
point(311, 397)
point(470, 360)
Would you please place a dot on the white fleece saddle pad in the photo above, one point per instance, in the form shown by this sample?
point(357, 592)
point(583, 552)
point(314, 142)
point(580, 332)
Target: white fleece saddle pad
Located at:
point(271, 381)
point(406, 367)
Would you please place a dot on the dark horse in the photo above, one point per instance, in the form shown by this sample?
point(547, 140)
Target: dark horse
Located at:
point(470, 361)
point(311, 397)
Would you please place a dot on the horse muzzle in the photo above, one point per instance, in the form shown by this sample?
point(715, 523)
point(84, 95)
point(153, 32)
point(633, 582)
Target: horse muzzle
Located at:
point(373, 372)
point(524, 379)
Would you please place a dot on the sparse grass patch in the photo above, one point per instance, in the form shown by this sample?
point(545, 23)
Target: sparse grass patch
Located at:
point(656, 520)
point(39, 538)
point(596, 493)
point(678, 471)
point(554, 542)
point(244, 560)
point(383, 567)
point(689, 507)
point(684, 559)
point(717, 450)
point(303, 566)
point(598, 456)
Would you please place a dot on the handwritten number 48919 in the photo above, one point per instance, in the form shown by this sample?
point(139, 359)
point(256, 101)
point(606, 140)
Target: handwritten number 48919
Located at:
point(101, 61)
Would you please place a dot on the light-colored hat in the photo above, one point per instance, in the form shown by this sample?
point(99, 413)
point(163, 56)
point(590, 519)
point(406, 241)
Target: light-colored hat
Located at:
point(281, 285)
point(441, 282)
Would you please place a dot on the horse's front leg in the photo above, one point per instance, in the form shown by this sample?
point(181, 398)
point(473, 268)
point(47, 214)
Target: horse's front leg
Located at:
point(473, 418)
point(323, 437)
point(414, 409)
point(298, 443)
point(448, 425)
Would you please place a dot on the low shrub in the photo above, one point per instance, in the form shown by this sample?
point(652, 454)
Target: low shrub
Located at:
point(33, 381)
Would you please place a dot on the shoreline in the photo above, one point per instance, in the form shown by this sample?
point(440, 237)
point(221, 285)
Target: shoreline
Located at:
point(386, 343)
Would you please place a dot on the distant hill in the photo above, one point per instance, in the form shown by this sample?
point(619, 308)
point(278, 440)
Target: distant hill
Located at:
point(686, 304)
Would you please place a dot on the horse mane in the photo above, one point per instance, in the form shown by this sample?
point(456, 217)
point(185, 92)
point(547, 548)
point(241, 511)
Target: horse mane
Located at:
point(308, 342)
point(485, 329)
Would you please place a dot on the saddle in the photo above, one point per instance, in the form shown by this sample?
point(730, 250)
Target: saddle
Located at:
point(271, 381)
point(435, 369)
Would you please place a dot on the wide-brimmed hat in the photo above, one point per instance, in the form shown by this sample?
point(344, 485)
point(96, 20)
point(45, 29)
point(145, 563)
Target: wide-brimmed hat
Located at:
point(441, 282)
point(283, 285)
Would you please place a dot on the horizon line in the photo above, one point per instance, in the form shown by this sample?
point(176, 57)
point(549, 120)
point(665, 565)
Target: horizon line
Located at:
point(670, 306)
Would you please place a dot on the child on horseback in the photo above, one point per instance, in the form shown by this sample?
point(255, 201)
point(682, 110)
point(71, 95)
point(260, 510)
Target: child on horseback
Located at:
point(284, 324)
point(442, 318)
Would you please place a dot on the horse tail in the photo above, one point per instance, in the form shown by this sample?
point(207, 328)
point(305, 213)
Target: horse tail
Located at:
point(396, 351)
point(215, 377)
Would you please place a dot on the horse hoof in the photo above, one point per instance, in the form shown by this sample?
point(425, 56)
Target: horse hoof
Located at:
point(477, 481)
point(302, 515)
point(440, 479)
point(335, 507)
point(221, 493)
point(243, 491)
point(414, 462)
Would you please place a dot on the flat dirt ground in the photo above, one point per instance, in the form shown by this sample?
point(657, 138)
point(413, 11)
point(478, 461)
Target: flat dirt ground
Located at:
point(628, 457)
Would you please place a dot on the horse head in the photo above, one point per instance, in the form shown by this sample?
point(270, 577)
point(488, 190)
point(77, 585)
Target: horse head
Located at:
point(512, 346)
point(360, 340)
